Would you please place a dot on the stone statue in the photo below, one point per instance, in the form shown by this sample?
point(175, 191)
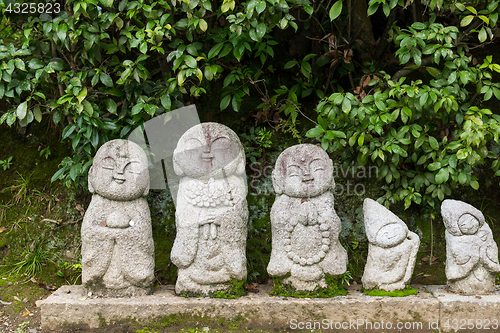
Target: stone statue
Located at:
point(471, 252)
point(392, 249)
point(304, 224)
point(117, 240)
point(211, 213)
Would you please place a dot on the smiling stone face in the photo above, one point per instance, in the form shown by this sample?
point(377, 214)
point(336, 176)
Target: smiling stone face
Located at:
point(468, 224)
point(391, 235)
point(120, 171)
point(205, 149)
point(303, 171)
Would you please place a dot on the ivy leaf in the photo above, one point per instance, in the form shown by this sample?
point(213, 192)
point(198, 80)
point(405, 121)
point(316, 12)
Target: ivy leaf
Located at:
point(335, 10)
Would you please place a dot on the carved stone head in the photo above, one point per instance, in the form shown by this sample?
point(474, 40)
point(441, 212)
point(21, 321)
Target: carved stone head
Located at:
point(209, 150)
point(302, 171)
point(383, 227)
point(120, 171)
point(460, 218)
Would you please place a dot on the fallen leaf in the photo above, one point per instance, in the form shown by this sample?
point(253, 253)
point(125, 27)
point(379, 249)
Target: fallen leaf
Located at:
point(17, 298)
point(49, 288)
point(33, 280)
point(2, 229)
point(25, 300)
point(425, 258)
point(80, 209)
point(27, 313)
point(83, 298)
point(5, 303)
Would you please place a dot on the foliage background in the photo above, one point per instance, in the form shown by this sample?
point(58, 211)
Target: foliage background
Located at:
point(408, 87)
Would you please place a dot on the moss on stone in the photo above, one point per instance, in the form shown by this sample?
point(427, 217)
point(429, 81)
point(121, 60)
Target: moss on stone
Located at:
point(396, 293)
point(335, 288)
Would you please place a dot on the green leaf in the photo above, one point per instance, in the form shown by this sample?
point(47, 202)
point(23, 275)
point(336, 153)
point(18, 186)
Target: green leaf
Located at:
point(214, 51)
point(190, 61)
point(37, 113)
point(21, 110)
point(433, 143)
point(314, 132)
point(68, 130)
point(336, 10)
point(261, 30)
point(474, 184)
point(462, 177)
point(442, 176)
point(466, 20)
point(61, 30)
point(106, 79)
point(418, 26)
point(335, 134)
point(482, 35)
point(166, 102)
point(144, 47)
point(19, 64)
point(110, 105)
point(56, 117)
point(137, 108)
point(225, 102)
point(434, 166)
point(81, 96)
point(35, 64)
point(88, 107)
point(203, 25)
point(261, 6)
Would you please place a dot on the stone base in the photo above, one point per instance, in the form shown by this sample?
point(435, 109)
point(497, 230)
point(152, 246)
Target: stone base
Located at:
point(479, 313)
point(425, 312)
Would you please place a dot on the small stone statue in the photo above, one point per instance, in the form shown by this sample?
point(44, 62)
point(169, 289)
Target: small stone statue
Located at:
point(304, 224)
point(471, 252)
point(117, 240)
point(392, 249)
point(211, 213)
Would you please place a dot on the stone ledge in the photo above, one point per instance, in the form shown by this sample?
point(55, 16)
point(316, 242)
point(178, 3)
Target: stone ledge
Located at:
point(432, 305)
point(68, 306)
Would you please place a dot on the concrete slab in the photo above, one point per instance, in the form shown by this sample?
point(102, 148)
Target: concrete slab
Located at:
point(68, 306)
point(467, 313)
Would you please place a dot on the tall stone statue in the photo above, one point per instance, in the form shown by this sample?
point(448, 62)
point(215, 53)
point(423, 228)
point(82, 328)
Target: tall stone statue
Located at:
point(211, 212)
point(117, 240)
point(304, 224)
point(392, 249)
point(471, 252)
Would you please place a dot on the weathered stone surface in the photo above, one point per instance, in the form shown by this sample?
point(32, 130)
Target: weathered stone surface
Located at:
point(462, 313)
point(471, 252)
point(211, 211)
point(304, 224)
point(392, 249)
point(117, 240)
point(352, 313)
